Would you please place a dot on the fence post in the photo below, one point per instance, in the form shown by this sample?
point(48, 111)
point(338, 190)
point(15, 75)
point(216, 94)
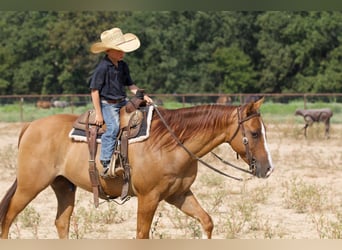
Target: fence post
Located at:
point(72, 104)
point(21, 104)
point(304, 101)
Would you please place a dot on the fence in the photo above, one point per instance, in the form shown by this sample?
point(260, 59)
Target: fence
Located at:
point(25, 106)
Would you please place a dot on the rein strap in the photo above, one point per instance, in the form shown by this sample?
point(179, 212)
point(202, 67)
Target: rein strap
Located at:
point(195, 156)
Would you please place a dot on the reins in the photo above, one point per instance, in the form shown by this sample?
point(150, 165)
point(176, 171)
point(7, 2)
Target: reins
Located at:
point(199, 159)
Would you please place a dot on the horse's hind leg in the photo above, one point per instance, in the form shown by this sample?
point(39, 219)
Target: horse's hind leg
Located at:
point(327, 128)
point(190, 206)
point(65, 192)
point(23, 195)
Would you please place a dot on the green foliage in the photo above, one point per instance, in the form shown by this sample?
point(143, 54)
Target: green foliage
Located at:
point(233, 70)
point(298, 51)
point(47, 52)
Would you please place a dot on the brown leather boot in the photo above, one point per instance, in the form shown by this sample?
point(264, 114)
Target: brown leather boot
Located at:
point(119, 171)
point(105, 170)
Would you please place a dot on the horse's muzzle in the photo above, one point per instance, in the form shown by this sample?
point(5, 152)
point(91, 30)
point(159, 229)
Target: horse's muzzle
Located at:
point(261, 170)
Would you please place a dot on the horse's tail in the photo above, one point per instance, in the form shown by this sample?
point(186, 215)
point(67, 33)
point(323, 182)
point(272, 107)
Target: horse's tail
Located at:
point(23, 129)
point(10, 192)
point(6, 200)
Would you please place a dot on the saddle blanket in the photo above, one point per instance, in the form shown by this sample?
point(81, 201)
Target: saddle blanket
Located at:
point(144, 132)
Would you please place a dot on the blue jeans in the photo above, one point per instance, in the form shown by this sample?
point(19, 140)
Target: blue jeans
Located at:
point(111, 116)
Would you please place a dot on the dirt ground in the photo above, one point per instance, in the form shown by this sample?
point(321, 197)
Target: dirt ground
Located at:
point(300, 200)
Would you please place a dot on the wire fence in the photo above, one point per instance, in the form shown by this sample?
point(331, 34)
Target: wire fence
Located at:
point(23, 108)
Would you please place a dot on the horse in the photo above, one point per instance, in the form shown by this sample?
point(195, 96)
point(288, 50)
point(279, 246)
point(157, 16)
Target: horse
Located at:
point(316, 115)
point(43, 104)
point(224, 100)
point(252, 98)
point(59, 104)
point(163, 167)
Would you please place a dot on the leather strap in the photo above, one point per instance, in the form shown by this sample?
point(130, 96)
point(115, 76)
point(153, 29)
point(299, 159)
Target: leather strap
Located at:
point(93, 173)
point(124, 153)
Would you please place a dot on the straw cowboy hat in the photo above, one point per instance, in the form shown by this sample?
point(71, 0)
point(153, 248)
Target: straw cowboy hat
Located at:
point(114, 39)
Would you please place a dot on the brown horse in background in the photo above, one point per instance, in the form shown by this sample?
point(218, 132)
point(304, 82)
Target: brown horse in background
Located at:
point(43, 104)
point(224, 100)
point(161, 169)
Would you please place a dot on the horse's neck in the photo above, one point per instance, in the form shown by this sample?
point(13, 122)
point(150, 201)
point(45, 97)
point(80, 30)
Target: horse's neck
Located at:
point(206, 145)
point(211, 136)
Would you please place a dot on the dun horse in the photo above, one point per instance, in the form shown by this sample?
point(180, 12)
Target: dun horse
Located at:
point(316, 115)
point(161, 168)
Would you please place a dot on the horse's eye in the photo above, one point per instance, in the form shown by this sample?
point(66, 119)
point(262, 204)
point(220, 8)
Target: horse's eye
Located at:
point(255, 134)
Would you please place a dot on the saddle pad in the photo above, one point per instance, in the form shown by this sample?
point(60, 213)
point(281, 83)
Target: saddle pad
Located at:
point(144, 132)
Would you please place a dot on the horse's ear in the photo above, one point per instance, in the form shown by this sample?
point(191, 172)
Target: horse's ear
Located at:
point(258, 103)
point(253, 107)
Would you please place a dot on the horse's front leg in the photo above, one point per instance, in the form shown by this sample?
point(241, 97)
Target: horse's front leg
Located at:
point(190, 206)
point(147, 205)
point(305, 128)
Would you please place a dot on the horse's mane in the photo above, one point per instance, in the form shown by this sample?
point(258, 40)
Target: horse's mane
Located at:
point(189, 122)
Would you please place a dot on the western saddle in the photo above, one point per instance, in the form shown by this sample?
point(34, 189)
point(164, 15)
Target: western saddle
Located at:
point(131, 118)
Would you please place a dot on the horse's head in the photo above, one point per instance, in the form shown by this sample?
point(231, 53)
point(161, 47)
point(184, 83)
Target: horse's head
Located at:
point(299, 112)
point(249, 139)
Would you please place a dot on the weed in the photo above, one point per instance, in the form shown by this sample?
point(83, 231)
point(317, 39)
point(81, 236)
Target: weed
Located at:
point(240, 214)
point(195, 229)
point(88, 219)
point(76, 231)
point(110, 215)
point(328, 228)
point(303, 197)
point(154, 228)
point(260, 194)
point(29, 218)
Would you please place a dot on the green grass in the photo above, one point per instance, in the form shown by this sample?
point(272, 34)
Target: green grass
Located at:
point(14, 113)
point(281, 112)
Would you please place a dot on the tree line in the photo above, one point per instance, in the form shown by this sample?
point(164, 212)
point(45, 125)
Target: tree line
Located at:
point(47, 52)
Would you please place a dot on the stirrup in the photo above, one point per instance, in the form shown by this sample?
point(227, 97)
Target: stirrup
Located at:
point(115, 168)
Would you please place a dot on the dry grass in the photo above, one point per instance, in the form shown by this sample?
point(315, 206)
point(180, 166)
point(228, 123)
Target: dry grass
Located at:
point(301, 200)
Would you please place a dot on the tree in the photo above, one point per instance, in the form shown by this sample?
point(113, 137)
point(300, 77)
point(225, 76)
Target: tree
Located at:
point(46, 52)
point(294, 47)
point(233, 70)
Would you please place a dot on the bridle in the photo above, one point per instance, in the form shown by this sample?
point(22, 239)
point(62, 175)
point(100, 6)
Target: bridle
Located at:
point(251, 159)
point(252, 162)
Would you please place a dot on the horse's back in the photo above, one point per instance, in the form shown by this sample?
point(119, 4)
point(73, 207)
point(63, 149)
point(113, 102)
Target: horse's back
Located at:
point(53, 122)
point(45, 134)
point(328, 112)
point(318, 115)
point(315, 114)
point(66, 119)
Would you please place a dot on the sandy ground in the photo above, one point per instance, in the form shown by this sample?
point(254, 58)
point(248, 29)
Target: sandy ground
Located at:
point(314, 164)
